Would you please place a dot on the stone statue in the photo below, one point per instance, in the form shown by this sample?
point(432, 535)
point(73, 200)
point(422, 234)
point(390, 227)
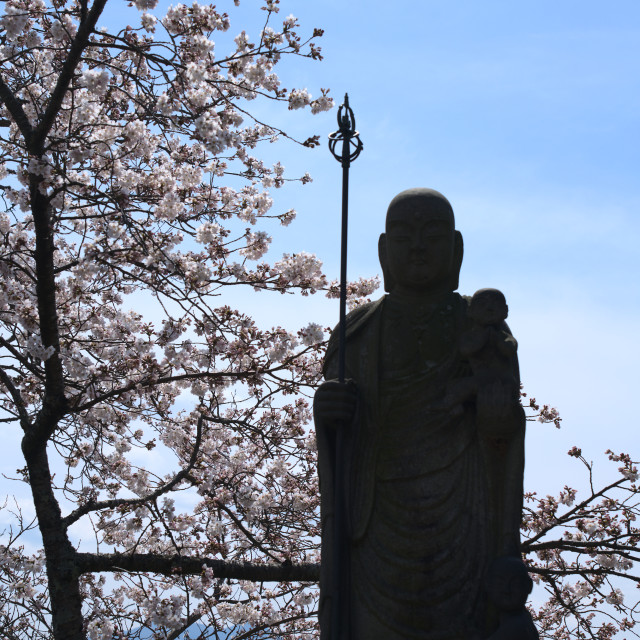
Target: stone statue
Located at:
point(434, 438)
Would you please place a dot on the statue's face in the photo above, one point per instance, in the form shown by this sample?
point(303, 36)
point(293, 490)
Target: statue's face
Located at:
point(488, 308)
point(420, 247)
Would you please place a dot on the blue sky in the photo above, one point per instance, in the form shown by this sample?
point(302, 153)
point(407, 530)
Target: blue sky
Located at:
point(527, 117)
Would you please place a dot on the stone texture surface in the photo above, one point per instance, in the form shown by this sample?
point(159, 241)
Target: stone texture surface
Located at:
point(433, 458)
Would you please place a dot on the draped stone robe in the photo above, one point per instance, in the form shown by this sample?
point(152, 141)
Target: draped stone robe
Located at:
point(430, 502)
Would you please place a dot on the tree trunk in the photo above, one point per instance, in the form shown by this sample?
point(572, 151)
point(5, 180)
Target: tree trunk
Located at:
point(62, 573)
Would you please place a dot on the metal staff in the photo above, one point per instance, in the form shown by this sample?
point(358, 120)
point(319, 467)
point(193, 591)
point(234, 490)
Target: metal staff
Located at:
point(351, 148)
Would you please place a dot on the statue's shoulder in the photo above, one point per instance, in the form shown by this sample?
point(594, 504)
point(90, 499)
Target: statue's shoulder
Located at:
point(355, 322)
point(362, 314)
point(462, 303)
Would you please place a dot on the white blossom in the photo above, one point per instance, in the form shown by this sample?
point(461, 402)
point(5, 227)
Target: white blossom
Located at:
point(208, 232)
point(288, 217)
point(630, 474)
point(324, 103)
point(5, 223)
point(144, 5)
point(36, 349)
point(581, 589)
point(312, 334)
point(14, 22)
point(591, 527)
point(301, 269)
point(299, 98)
point(257, 245)
point(100, 629)
point(615, 597)
point(148, 22)
point(96, 81)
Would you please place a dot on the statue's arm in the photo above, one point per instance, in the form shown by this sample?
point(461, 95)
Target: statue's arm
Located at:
point(335, 403)
point(499, 412)
point(473, 341)
point(507, 345)
point(334, 406)
point(501, 423)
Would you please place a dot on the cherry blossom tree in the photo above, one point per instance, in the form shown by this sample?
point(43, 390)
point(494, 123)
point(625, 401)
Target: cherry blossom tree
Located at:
point(177, 437)
point(168, 453)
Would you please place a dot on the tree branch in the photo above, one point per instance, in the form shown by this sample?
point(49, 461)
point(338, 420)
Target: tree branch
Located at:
point(25, 422)
point(575, 511)
point(581, 571)
point(17, 112)
point(24, 362)
point(153, 382)
point(89, 507)
point(192, 619)
point(172, 565)
point(246, 531)
point(66, 74)
point(577, 547)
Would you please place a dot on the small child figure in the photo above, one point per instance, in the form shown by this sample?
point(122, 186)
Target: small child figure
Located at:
point(508, 587)
point(489, 348)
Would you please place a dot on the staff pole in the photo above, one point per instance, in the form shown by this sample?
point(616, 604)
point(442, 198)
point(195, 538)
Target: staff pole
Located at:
point(351, 148)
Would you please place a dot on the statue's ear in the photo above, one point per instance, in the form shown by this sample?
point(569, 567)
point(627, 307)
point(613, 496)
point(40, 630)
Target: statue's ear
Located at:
point(458, 252)
point(382, 254)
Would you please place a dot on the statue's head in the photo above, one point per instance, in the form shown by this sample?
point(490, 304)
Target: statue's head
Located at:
point(488, 307)
point(420, 251)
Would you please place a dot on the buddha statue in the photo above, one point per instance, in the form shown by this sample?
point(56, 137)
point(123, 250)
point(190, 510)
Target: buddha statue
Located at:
point(433, 434)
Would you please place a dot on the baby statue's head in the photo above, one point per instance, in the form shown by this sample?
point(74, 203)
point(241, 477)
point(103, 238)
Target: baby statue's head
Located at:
point(488, 307)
